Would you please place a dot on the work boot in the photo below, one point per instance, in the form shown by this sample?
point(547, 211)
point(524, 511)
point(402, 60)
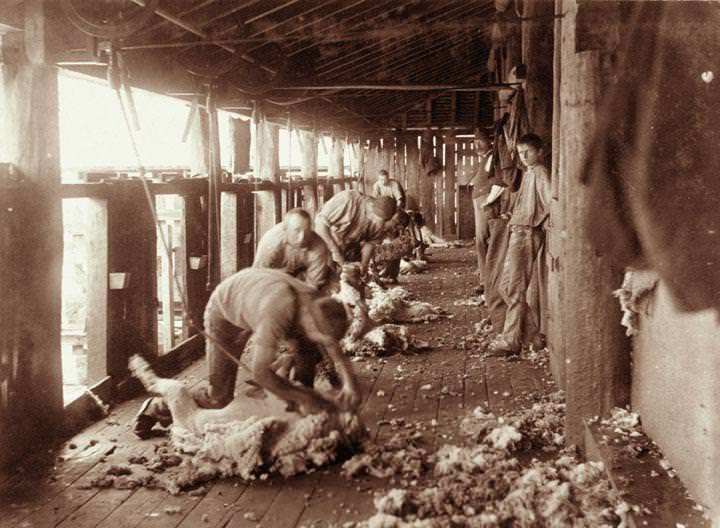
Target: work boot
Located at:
point(152, 411)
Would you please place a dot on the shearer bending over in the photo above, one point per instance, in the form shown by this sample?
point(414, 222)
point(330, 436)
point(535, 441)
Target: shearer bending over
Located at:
point(351, 223)
point(274, 308)
point(293, 247)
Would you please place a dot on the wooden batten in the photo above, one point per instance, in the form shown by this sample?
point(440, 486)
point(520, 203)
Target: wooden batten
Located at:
point(465, 211)
point(31, 401)
point(427, 179)
point(448, 183)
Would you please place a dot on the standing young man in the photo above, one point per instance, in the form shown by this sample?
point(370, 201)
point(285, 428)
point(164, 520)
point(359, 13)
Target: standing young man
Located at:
point(527, 222)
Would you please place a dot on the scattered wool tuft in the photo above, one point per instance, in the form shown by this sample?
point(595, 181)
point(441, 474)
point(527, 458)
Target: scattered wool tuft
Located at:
point(636, 286)
point(503, 437)
point(485, 485)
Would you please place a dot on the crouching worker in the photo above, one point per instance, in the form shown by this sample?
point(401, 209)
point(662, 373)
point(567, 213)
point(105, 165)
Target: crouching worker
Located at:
point(273, 308)
point(351, 224)
point(293, 247)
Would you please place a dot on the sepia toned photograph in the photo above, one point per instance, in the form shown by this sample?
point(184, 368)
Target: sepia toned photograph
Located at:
point(359, 264)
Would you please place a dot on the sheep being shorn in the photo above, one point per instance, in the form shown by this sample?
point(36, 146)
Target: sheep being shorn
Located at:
point(250, 436)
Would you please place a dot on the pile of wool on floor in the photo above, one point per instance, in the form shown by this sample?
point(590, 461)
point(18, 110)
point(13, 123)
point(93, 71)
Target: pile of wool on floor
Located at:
point(484, 484)
point(375, 313)
point(248, 438)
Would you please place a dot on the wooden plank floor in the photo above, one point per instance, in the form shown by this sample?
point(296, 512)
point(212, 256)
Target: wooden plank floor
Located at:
point(435, 388)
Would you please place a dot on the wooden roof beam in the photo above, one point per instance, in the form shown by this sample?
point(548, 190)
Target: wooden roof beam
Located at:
point(397, 86)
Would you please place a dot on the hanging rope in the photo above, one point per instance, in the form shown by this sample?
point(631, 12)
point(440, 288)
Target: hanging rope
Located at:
point(166, 246)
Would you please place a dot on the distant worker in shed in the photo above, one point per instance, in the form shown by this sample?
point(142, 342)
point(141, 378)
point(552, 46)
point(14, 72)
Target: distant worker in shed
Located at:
point(480, 183)
point(386, 186)
point(389, 267)
point(352, 223)
point(273, 308)
point(527, 233)
point(293, 247)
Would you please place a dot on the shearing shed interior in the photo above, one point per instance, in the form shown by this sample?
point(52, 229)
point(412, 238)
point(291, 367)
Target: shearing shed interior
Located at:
point(359, 263)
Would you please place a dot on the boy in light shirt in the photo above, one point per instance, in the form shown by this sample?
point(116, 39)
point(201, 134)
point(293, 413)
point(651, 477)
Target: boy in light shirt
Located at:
point(528, 218)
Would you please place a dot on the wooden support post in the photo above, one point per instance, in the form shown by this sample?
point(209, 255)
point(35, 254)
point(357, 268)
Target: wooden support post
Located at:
point(596, 351)
point(97, 289)
point(31, 399)
point(167, 291)
point(195, 248)
point(132, 249)
point(214, 179)
point(449, 181)
point(268, 203)
point(361, 159)
point(246, 228)
point(437, 198)
point(537, 52)
point(240, 136)
point(308, 169)
point(229, 240)
point(357, 162)
point(336, 165)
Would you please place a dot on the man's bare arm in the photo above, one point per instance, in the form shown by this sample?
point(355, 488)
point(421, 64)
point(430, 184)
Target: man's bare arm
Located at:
point(366, 254)
point(309, 401)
